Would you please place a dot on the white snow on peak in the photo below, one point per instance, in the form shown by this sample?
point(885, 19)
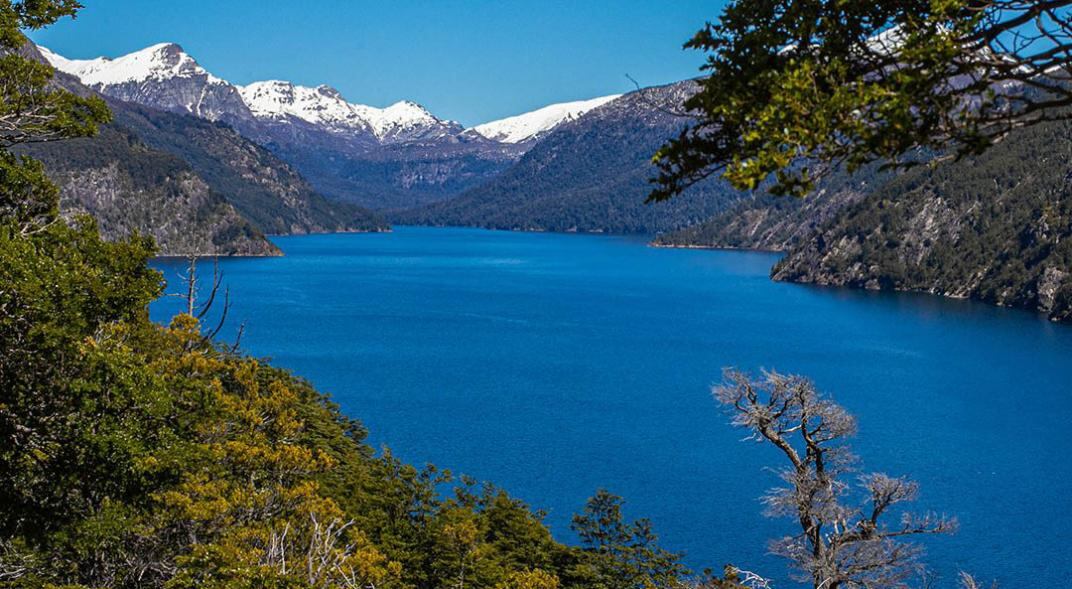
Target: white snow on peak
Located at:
point(325, 106)
point(163, 61)
point(400, 117)
point(527, 126)
point(322, 105)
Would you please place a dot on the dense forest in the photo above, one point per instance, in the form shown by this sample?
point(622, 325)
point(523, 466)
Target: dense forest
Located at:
point(159, 457)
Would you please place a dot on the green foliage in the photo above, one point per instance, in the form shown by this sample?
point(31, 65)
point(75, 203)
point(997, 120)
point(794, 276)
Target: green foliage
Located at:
point(796, 88)
point(139, 455)
point(16, 15)
point(25, 191)
point(136, 455)
point(618, 554)
point(32, 110)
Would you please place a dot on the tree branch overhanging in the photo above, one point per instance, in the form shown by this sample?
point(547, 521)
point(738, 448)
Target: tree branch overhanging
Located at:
point(797, 88)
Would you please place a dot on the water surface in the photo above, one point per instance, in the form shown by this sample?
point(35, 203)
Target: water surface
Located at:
point(553, 365)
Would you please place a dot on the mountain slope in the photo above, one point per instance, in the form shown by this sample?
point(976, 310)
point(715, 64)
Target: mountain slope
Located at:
point(997, 227)
point(589, 174)
point(326, 108)
point(261, 187)
point(129, 187)
point(383, 158)
point(761, 221)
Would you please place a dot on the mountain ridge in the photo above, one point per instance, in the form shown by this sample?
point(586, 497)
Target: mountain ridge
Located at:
point(591, 174)
point(198, 187)
point(388, 158)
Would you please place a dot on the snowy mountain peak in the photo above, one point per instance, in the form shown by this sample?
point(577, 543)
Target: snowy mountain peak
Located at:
point(165, 76)
point(325, 106)
point(162, 61)
point(528, 126)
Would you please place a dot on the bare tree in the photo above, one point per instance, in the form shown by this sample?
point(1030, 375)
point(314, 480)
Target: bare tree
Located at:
point(843, 540)
point(198, 309)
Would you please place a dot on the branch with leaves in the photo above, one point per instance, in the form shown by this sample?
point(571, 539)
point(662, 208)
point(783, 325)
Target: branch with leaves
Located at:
point(797, 88)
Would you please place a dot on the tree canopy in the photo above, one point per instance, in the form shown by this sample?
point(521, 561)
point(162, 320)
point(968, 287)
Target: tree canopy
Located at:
point(795, 88)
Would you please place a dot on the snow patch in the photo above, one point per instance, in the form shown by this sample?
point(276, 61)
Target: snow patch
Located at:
point(326, 107)
point(530, 125)
point(163, 61)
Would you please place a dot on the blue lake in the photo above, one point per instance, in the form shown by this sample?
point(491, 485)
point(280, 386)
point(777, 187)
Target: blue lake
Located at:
point(554, 365)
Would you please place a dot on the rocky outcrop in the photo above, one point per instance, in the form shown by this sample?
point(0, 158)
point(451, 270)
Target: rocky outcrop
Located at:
point(997, 227)
point(180, 212)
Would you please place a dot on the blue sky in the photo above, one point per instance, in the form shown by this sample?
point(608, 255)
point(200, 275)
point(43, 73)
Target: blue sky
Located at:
point(470, 61)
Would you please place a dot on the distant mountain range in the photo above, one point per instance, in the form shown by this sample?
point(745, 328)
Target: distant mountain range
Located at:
point(382, 158)
point(575, 166)
point(996, 227)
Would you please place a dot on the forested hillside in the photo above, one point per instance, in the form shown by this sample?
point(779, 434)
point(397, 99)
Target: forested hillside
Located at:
point(590, 174)
point(128, 187)
point(994, 227)
point(263, 188)
point(160, 458)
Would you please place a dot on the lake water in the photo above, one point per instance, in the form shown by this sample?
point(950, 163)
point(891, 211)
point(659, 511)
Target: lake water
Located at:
point(553, 365)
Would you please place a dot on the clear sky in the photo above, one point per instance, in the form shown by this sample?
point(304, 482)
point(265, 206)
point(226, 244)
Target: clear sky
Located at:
point(471, 60)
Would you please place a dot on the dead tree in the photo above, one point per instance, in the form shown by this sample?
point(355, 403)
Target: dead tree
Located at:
point(843, 541)
point(199, 310)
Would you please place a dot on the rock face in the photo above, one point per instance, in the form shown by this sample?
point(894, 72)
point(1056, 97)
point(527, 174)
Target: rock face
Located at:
point(128, 187)
point(589, 174)
point(995, 228)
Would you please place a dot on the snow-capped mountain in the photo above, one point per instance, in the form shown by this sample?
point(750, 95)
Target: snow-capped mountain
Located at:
point(162, 61)
point(325, 107)
point(162, 76)
point(387, 158)
point(532, 125)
